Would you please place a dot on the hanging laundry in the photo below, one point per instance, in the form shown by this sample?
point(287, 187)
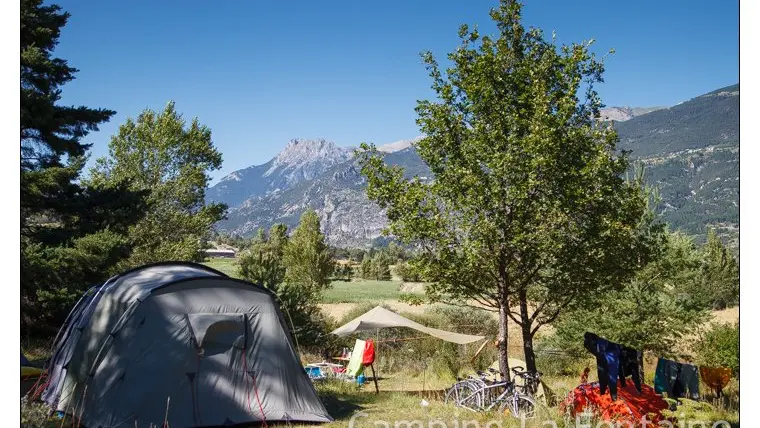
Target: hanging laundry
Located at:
point(689, 378)
point(715, 377)
point(369, 353)
point(355, 366)
point(629, 366)
point(663, 380)
point(607, 361)
point(676, 379)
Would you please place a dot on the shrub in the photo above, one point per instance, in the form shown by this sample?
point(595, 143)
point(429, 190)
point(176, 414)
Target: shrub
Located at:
point(719, 347)
point(34, 414)
point(407, 274)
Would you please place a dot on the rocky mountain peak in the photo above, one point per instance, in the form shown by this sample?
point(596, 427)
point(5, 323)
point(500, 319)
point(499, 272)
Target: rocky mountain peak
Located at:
point(621, 114)
point(397, 146)
point(301, 151)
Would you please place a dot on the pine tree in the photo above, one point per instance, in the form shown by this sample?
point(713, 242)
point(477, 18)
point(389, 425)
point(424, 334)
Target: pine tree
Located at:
point(365, 270)
point(263, 263)
point(308, 267)
point(720, 274)
point(381, 270)
point(307, 257)
point(651, 313)
point(72, 236)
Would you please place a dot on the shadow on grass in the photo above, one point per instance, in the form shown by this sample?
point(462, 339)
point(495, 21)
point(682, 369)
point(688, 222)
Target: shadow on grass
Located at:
point(342, 399)
point(342, 407)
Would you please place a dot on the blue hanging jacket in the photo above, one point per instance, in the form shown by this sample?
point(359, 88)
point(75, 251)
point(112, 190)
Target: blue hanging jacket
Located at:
point(607, 361)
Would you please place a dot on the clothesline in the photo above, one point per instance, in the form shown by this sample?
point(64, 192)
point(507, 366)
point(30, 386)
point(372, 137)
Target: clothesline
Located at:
point(616, 362)
point(402, 339)
point(557, 352)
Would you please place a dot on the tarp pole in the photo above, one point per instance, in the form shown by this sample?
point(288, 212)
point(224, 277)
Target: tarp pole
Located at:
point(374, 376)
point(424, 370)
point(377, 353)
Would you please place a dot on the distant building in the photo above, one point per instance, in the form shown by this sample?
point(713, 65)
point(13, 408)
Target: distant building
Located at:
point(220, 252)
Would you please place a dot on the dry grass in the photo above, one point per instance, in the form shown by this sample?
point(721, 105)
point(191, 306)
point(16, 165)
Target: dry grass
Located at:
point(401, 409)
point(726, 316)
point(338, 310)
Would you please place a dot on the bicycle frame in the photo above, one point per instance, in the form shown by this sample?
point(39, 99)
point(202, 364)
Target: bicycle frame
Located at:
point(478, 394)
point(481, 395)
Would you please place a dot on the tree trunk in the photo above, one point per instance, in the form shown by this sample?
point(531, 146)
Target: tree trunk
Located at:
point(503, 341)
point(530, 355)
point(527, 336)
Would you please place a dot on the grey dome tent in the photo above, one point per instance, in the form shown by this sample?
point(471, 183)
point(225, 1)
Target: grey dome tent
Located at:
point(181, 343)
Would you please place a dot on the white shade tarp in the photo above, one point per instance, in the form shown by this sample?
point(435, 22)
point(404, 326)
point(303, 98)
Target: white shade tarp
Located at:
point(380, 317)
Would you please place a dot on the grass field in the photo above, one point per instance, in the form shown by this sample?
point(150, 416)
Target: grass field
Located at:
point(227, 266)
point(361, 291)
point(357, 291)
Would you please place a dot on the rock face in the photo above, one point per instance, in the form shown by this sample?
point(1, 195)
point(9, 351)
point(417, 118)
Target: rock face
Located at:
point(310, 174)
point(347, 217)
point(691, 153)
point(397, 146)
point(621, 114)
point(301, 159)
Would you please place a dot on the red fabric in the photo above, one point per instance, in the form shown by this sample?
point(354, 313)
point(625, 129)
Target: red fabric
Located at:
point(629, 408)
point(369, 352)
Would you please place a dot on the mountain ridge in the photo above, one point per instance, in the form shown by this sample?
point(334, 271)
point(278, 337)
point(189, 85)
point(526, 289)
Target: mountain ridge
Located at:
point(301, 159)
point(690, 151)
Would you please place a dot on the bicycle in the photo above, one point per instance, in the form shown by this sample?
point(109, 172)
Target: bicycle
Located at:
point(465, 391)
point(531, 380)
point(480, 394)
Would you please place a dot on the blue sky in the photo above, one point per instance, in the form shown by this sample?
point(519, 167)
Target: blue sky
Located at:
point(259, 73)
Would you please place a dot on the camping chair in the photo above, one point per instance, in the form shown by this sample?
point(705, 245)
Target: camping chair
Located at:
point(319, 371)
point(314, 372)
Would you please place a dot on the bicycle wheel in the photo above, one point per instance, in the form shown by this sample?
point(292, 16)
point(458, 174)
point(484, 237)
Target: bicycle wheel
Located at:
point(520, 406)
point(463, 394)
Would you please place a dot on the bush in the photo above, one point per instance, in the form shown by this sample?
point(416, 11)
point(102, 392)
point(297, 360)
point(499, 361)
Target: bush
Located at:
point(309, 325)
point(54, 278)
point(376, 267)
point(407, 273)
point(719, 347)
point(35, 415)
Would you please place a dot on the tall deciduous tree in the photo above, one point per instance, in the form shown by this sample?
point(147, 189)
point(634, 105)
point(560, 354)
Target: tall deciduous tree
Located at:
point(528, 199)
point(159, 154)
